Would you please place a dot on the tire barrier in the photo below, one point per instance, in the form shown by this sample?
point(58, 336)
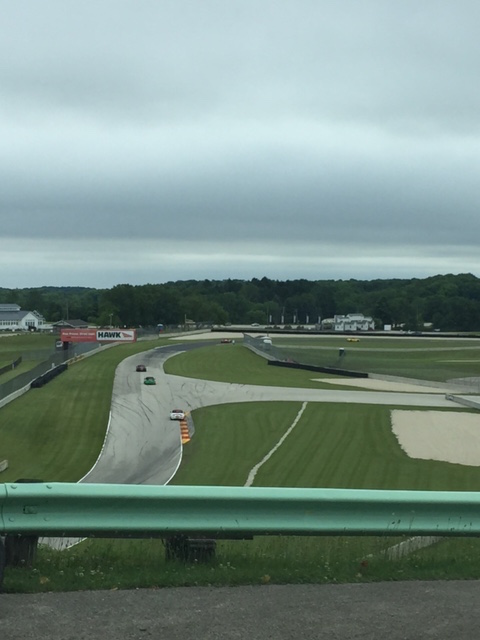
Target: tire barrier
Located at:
point(48, 375)
point(311, 367)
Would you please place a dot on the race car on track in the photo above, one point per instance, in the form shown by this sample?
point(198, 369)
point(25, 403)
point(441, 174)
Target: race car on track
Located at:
point(149, 380)
point(177, 414)
point(141, 367)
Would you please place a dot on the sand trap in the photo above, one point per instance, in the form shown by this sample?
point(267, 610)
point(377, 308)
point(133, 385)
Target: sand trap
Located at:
point(448, 436)
point(380, 385)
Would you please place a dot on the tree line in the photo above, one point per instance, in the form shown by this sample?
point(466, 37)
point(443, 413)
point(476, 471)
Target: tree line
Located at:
point(446, 302)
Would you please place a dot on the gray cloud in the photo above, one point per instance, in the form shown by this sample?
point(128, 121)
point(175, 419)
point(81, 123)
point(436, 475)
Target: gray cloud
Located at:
point(241, 128)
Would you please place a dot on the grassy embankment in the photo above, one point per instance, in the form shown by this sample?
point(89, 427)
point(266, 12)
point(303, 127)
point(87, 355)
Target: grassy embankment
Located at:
point(333, 445)
point(433, 359)
point(33, 347)
point(55, 433)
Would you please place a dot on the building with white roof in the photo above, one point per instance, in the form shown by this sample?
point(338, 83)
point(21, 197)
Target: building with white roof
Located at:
point(12, 318)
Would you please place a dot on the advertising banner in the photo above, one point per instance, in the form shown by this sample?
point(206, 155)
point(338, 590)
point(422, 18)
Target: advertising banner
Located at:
point(78, 335)
point(98, 335)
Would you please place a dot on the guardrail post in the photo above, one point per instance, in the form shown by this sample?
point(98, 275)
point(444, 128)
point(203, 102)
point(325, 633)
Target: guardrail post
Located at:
point(2, 561)
point(187, 549)
point(21, 550)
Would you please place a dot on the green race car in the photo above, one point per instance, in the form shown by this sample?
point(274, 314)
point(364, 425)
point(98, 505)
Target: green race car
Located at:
point(149, 380)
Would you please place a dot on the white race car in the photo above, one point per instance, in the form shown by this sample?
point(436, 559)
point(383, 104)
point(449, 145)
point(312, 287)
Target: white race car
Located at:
point(177, 414)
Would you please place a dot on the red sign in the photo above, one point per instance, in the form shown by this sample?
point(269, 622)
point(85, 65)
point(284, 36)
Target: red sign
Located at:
point(98, 335)
point(78, 335)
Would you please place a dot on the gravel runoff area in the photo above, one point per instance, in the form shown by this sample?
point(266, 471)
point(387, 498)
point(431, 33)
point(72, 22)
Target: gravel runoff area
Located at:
point(439, 435)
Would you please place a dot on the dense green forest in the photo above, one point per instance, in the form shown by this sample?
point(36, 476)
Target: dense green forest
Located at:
point(448, 302)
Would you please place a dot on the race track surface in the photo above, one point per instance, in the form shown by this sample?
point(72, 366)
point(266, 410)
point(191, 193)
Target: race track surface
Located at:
point(143, 445)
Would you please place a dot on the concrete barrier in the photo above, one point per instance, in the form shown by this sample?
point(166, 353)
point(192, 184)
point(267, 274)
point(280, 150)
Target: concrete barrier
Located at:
point(473, 403)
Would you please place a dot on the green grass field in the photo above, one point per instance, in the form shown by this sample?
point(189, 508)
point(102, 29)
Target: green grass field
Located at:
point(427, 360)
point(333, 445)
point(32, 347)
point(235, 363)
point(13, 345)
point(17, 343)
point(433, 359)
point(56, 434)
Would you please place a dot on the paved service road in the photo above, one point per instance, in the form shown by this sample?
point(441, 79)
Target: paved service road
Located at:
point(380, 611)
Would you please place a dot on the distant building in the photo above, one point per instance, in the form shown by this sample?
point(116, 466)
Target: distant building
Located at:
point(353, 322)
point(70, 324)
point(12, 318)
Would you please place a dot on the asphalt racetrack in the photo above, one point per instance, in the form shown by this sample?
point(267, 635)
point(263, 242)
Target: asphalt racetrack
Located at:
point(143, 445)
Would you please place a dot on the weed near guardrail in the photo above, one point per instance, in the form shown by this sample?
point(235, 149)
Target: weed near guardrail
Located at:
point(127, 564)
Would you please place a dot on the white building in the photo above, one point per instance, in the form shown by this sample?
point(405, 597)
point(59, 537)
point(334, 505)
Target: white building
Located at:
point(353, 322)
point(12, 318)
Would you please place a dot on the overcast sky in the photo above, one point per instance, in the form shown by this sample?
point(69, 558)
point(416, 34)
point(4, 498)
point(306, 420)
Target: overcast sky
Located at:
point(155, 140)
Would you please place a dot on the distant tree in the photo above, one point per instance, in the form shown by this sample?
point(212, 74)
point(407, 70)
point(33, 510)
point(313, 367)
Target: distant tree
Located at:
point(450, 302)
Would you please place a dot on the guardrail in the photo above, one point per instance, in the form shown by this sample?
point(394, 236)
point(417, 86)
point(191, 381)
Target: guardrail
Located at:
point(107, 510)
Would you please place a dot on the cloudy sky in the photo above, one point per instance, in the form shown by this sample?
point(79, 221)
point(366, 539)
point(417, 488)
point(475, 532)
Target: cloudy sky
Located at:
point(155, 140)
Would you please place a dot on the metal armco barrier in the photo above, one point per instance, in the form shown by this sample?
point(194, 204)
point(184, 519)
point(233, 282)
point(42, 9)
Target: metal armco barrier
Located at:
point(107, 510)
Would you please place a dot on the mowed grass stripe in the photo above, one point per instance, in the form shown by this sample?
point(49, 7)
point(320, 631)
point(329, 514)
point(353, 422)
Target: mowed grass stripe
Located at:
point(334, 445)
point(55, 433)
point(264, 460)
point(237, 364)
point(429, 360)
point(231, 439)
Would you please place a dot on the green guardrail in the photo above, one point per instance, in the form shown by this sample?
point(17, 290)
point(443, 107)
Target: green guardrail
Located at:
point(107, 510)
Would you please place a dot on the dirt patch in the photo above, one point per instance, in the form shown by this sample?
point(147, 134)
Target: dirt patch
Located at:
point(449, 436)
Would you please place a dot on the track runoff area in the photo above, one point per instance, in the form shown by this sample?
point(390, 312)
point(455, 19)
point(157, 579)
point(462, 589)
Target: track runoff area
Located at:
point(422, 432)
